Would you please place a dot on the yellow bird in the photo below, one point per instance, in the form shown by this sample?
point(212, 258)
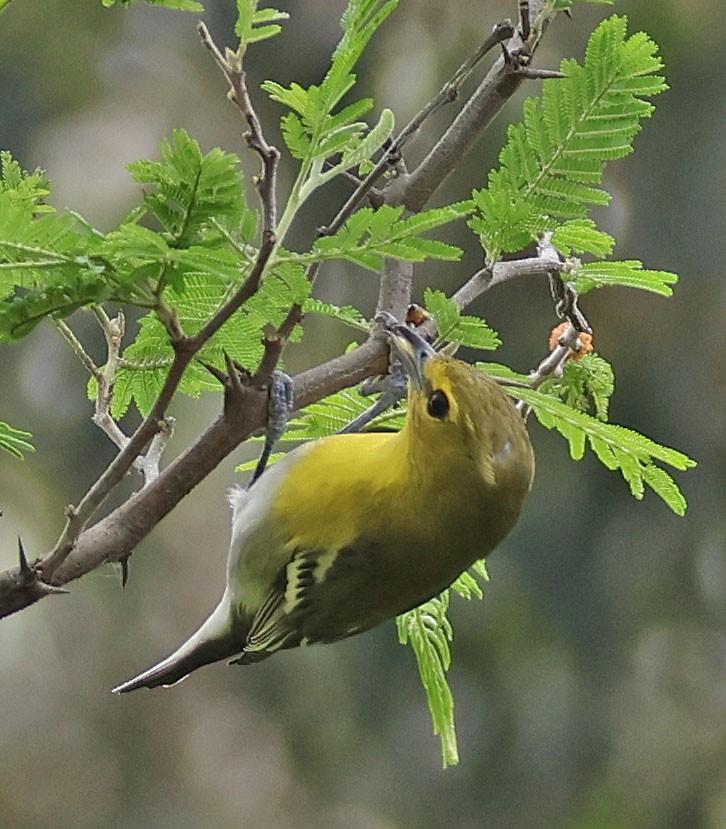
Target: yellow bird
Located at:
point(350, 530)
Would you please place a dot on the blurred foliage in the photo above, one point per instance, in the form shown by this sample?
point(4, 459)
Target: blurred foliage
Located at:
point(590, 681)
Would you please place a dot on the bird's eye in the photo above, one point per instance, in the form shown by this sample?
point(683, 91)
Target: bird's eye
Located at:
point(438, 404)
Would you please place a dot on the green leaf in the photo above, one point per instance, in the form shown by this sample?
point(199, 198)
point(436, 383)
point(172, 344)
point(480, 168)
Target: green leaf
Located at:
point(370, 236)
point(15, 441)
point(503, 372)
point(428, 631)
point(615, 446)
point(30, 189)
point(255, 24)
point(581, 236)
point(346, 314)
point(585, 384)
point(365, 149)
point(331, 414)
point(187, 190)
point(178, 5)
point(553, 161)
point(467, 585)
point(455, 327)
point(313, 130)
point(251, 465)
point(47, 264)
point(628, 273)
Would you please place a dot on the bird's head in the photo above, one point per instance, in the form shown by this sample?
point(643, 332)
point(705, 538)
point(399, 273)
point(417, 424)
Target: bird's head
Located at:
point(457, 411)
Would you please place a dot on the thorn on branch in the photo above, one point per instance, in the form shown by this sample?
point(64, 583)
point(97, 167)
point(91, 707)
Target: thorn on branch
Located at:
point(517, 62)
point(532, 73)
point(525, 28)
point(234, 380)
point(26, 574)
point(124, 562)
point(237, 377)
point(23, 585)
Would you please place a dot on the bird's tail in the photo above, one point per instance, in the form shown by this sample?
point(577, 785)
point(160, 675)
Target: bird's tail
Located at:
point(216, 639)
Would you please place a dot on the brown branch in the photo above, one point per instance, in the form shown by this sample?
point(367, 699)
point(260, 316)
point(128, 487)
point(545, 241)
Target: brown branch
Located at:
point(501, 82)
point(185, 348)
point(82, 548)
point(449, 92)
point(114, 537)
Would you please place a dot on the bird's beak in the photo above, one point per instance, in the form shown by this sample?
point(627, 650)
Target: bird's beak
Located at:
point(413, 351)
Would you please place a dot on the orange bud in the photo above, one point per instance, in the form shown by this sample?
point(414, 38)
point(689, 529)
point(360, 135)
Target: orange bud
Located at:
point(585, 342)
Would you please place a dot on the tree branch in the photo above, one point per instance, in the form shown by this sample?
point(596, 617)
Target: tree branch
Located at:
point(500, 272)
point(115, 536)
point(449, 92)
point(501, 82)
point(82, 548)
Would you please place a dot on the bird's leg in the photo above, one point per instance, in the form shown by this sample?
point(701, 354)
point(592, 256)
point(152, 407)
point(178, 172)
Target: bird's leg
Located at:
point(392, 386)
point(393, 389)
point(279, 405)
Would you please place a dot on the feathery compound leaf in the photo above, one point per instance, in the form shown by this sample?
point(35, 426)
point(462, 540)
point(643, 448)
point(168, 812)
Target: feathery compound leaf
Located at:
point(581, 236)
point(15, 441)
point(585, 384)
point(255, 24)
point(370, 236)
point(311, 131)
point(428, 631)
point(29, 188)
point(45, 267)
point(467, 585)
point(356, 154)
point(331, 414)
point(554, 159)
point(191, 189)
point(615, 446)
point(628, 273)
point(453, 326)
point(346, 314)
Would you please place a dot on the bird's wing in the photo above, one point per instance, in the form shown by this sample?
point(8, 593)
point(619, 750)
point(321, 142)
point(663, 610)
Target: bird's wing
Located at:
point(299, 609)
point(279, 621)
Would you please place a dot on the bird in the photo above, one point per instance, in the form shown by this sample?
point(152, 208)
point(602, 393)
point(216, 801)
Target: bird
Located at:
point(350, 530)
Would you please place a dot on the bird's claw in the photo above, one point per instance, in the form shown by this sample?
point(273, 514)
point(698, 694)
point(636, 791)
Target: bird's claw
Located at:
point(280, 403)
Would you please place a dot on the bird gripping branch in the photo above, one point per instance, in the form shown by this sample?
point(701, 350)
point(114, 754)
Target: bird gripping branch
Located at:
point(353, 529)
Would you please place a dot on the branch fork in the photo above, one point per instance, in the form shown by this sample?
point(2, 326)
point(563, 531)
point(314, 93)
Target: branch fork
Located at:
point(81, 548)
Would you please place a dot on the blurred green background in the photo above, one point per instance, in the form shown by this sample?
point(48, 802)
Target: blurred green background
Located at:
point(590, 683)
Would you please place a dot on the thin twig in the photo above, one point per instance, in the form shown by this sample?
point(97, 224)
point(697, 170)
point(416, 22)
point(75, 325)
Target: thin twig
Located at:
point(150, 461)
point(415, 189)
point(448, 93)
point(67, 333)
point(114, 536)
point(101, 416)
point(231, 65)
point(500, 272)
point(113, 332)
